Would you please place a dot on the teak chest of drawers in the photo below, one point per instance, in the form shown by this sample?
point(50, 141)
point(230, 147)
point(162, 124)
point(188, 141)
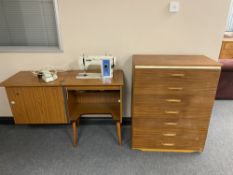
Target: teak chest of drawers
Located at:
point(172, 100)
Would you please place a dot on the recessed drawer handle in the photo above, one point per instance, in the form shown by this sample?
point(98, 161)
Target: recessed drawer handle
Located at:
point(172, 112)
point(173, 100)
point(170, 123)
point(168, 144)
point(169, 134)
point(175, 88)
point(177, 75)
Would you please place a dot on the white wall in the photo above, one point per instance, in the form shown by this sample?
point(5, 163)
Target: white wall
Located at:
point(124, 28)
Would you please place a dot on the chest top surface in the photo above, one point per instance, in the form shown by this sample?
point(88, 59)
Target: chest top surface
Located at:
point(174, 60)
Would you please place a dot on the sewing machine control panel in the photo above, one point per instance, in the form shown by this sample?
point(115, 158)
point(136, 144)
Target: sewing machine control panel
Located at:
point(106, 68)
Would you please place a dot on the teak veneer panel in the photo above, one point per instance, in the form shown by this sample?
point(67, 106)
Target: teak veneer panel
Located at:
point(148, 124)
point(173, 60)
point(37, 105)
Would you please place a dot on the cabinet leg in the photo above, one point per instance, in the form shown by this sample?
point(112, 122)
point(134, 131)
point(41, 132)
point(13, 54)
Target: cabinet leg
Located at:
point(78, 122)
point(74, 132)
point(118, 128)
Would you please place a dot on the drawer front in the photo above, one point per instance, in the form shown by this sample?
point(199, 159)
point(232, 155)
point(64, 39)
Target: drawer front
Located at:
point(153, 125)
point(227, 52)
point(156, 112)
point(154, 81)
point(157, 106)
point(172, 100)
point(176, 140)
point(226, 56)
point(228, 46)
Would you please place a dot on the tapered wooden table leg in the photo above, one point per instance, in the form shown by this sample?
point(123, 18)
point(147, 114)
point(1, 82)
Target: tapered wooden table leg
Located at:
point(118, 127)
point(74, 133)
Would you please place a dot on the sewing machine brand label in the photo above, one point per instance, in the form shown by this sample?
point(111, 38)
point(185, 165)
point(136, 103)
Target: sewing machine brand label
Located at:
point(106, 68)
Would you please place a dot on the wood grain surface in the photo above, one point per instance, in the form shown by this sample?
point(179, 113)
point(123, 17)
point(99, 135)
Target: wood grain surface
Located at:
point(173, 60)
point(67, 78)
point(37, 105)
point(226, 49)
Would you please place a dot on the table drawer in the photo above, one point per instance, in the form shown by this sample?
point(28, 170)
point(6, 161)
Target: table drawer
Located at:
point(153, 125)
point(153, 81)
point(169, 140)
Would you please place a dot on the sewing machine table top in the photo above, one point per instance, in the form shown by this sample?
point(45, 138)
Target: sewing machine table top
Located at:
point(65, 78)
point(89, 76)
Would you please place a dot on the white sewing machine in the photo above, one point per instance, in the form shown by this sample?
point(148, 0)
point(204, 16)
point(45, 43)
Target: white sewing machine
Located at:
point(104, 63)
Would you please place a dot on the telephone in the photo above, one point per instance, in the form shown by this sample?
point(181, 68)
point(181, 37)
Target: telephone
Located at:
point(46, 75)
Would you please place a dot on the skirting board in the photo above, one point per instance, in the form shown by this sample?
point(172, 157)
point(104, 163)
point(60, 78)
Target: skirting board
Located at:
point(84, 121)
point(6, 120)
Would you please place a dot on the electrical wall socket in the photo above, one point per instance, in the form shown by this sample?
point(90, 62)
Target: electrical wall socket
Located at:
point(174, 6)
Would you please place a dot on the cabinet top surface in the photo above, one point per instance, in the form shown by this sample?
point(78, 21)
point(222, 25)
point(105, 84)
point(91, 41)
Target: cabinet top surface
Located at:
point(173, 60)
point(67, 78)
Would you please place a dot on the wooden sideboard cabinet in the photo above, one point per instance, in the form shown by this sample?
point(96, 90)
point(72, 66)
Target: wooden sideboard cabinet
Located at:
point(226, 49)
point(33, 101)
point(172, 100)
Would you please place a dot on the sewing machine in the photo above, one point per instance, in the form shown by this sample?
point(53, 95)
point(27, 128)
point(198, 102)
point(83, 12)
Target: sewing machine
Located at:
point(104, 63)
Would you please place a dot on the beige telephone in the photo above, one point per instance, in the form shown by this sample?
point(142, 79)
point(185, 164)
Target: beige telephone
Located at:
point(46, 75)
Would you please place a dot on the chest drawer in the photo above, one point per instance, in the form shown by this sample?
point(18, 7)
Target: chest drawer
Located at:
point(228, 46)
point(172, 101)
point(186, 106)
point(153, 125)
point(154, 81)
point(226, 56)
point(176, 139)
point(227, 52)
